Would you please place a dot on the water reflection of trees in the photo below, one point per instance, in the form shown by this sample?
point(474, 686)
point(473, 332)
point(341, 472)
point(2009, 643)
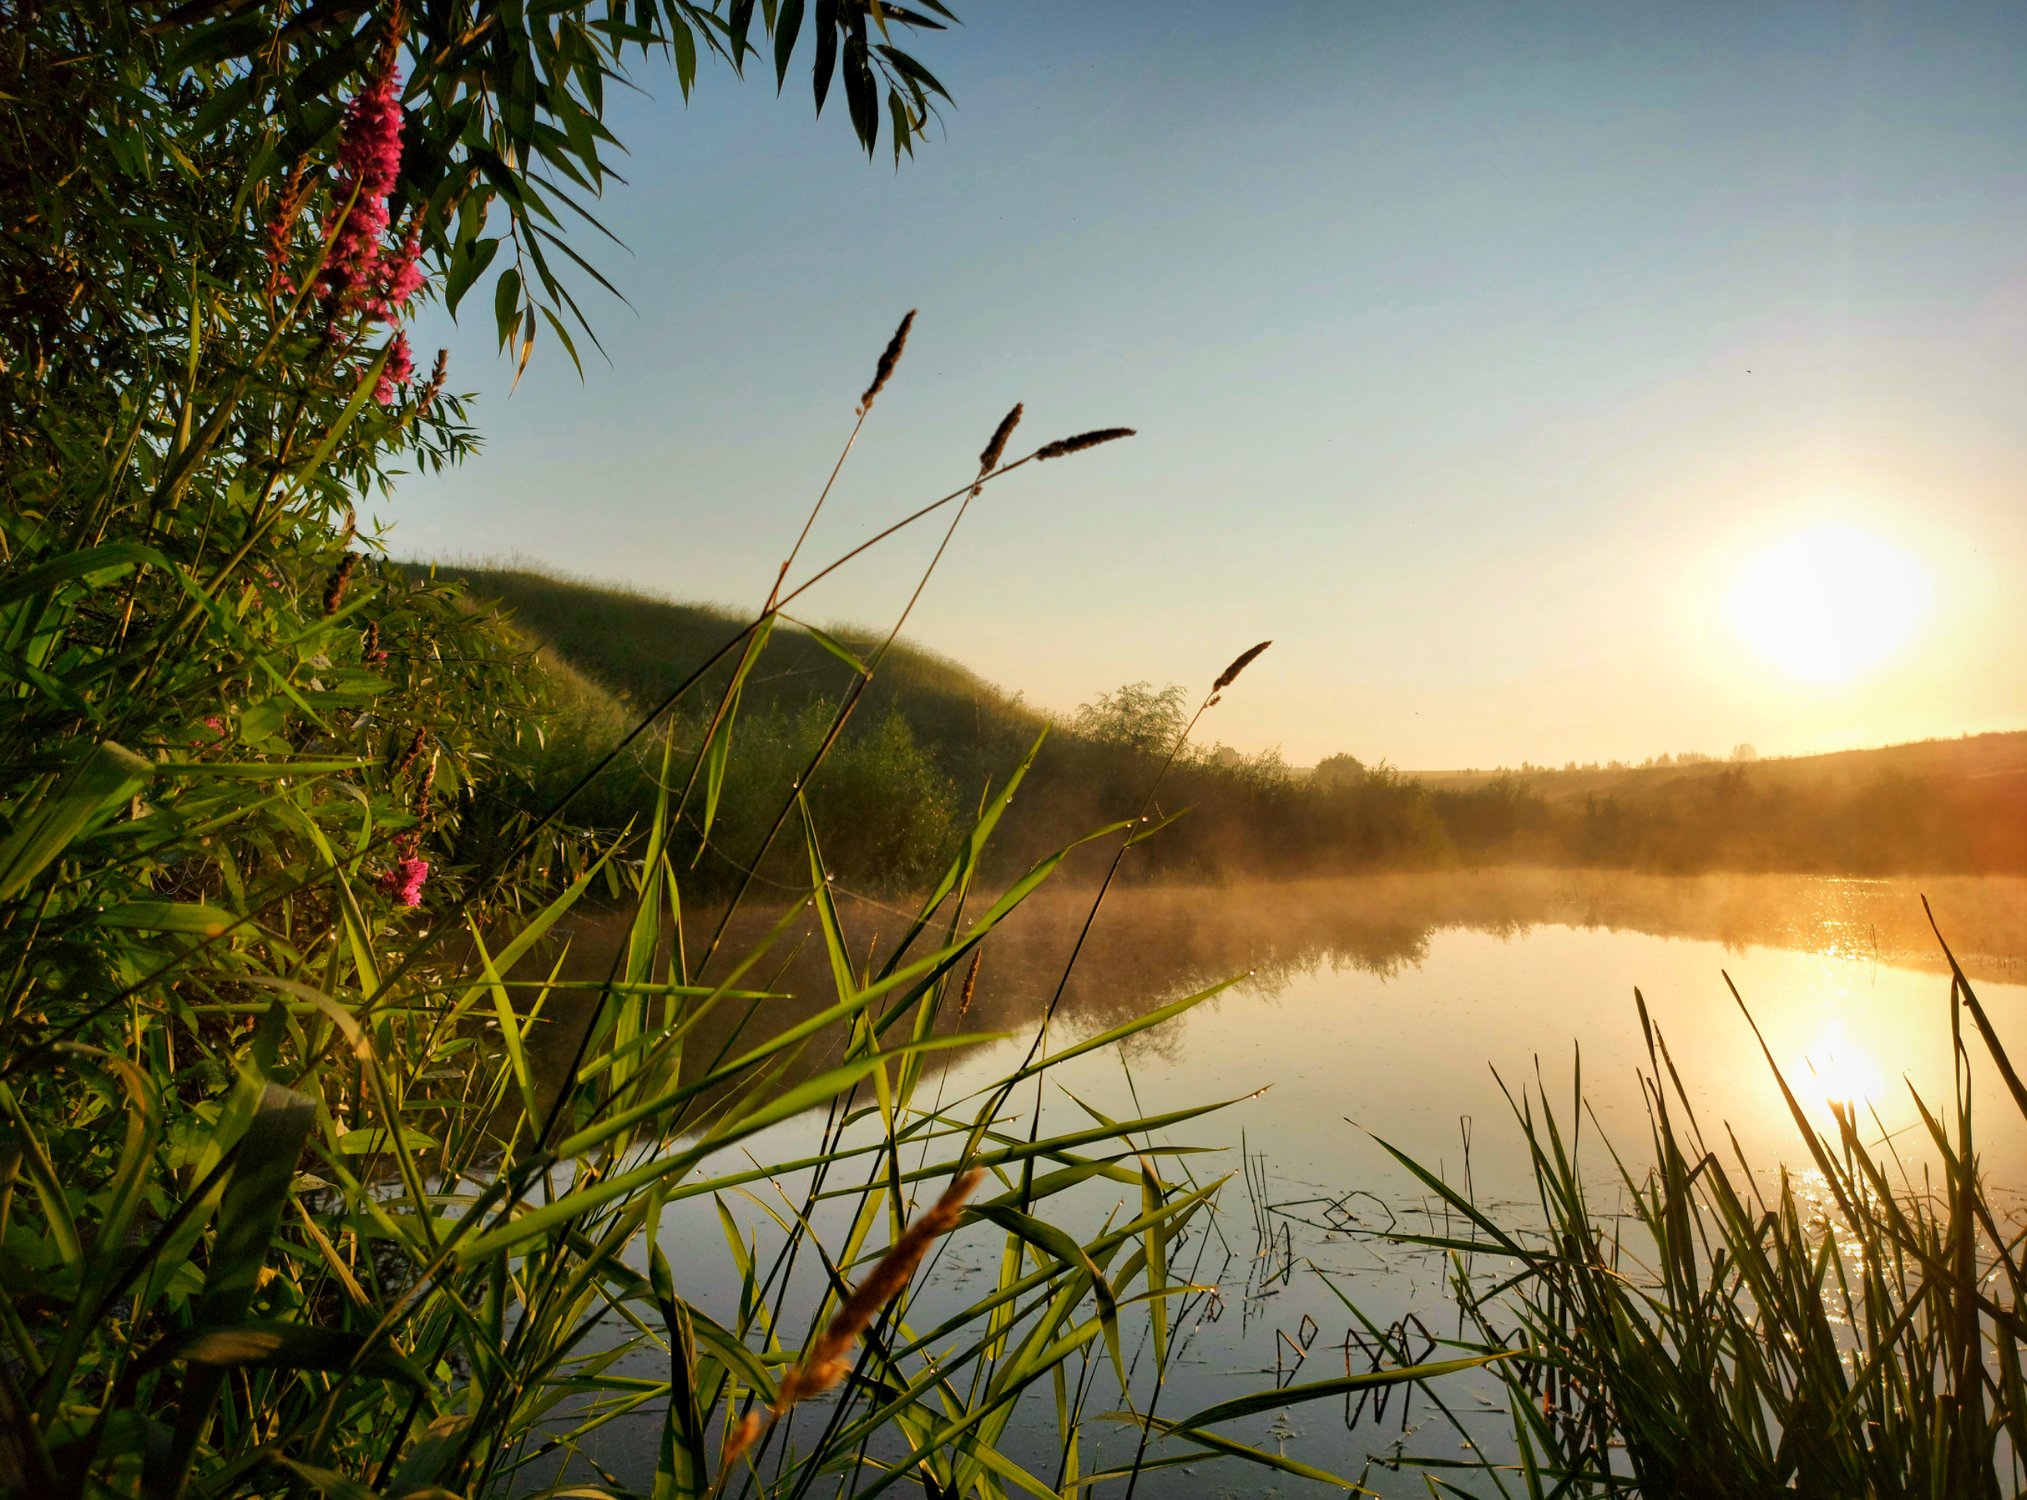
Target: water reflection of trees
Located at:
point(1152, 944)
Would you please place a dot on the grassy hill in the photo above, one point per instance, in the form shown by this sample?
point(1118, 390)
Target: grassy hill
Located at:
point(636, 648)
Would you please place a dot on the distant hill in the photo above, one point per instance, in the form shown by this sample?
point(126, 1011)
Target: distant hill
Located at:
point(931, 735)
point(1934, 804)
point(1971, 757)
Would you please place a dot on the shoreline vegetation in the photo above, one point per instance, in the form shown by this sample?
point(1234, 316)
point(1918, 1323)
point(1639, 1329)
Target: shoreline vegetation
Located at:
point(929, 733)
point(285, 1208)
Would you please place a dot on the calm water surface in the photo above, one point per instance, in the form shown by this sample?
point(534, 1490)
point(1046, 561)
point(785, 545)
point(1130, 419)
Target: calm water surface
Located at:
point(1391, 1008)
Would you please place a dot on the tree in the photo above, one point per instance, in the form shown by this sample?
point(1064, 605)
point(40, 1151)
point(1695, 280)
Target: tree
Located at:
point(1335, 771)
point(146, 138)
point(1138, 716)
point(1742, 753)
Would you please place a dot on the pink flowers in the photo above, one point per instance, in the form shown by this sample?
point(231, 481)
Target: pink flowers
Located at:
point(362, 274)
point(403, 883)
point(369, 162)
point(399, 369)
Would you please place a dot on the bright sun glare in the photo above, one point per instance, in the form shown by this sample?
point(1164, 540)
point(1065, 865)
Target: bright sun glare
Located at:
point(1826, 604)
point(1844, 1072)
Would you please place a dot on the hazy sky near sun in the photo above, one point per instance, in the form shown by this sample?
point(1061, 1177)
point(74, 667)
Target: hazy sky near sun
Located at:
point(1475, 352)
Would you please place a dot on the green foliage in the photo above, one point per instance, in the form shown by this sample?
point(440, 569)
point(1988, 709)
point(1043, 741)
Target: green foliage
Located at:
point(317, 1176)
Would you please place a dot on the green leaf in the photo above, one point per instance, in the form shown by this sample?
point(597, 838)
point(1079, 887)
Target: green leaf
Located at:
point(1231, 1449)
point(787, 27)
point(1319, 1390)
point(93, 565)
point(255, 1194)
point(465, 269)
point(286, 1346)
point(426, 1458)
point(168, 916)
point(507, 303)
point(105, 776)
point(1056, 1242)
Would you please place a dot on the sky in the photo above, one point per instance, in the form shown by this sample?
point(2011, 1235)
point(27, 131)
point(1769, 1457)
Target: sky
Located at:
point(1485, 358)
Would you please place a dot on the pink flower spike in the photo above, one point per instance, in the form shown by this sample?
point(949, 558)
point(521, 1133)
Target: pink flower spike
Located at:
point(403, 883)
point(400, 279)
point(399, 370)
point(369, 163)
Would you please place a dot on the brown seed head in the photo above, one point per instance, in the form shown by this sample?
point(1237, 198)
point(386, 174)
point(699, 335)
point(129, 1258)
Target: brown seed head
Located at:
point(996, 449)
point(824, 1365)
point(970, 983)
point(420, 807)
point(390, 42)
point(437, 377)
point(1064, 447)
point(281, 227)
point(890, 357)
point(740, 1436)
point(334, 591)
point(1231, 673)
point(408, 756)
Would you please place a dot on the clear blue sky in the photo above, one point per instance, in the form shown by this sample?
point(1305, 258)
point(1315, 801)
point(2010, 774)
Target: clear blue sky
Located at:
point(1474, 351)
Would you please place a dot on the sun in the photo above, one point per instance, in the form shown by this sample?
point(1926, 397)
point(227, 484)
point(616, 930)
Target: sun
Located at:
point(1830, 603)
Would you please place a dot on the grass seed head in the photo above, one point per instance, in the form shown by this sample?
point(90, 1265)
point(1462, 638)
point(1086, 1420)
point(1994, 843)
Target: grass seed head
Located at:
point(1231, 674)
point(824, 1366)
point(889, 357)
point(1064, 447)
point(739, 1437)
point(996, 449)
point(415, 744)
point(970, 983)
point(437, 377)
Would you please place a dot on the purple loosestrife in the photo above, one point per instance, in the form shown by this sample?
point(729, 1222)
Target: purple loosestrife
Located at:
point(362, 273)
point(403, 883)
point(369, 162)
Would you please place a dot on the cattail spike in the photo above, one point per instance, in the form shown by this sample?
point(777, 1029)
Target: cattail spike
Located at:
point(1231, 673)
point(890, 357)
point(1063, 447)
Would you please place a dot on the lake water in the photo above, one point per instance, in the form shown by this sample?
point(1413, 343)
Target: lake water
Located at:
point(1390, 1008)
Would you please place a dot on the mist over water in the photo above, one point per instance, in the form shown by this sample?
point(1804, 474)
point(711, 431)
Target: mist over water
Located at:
point(1400, 1009)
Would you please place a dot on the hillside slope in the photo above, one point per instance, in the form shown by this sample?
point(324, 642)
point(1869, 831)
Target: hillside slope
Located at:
point(638, 647)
